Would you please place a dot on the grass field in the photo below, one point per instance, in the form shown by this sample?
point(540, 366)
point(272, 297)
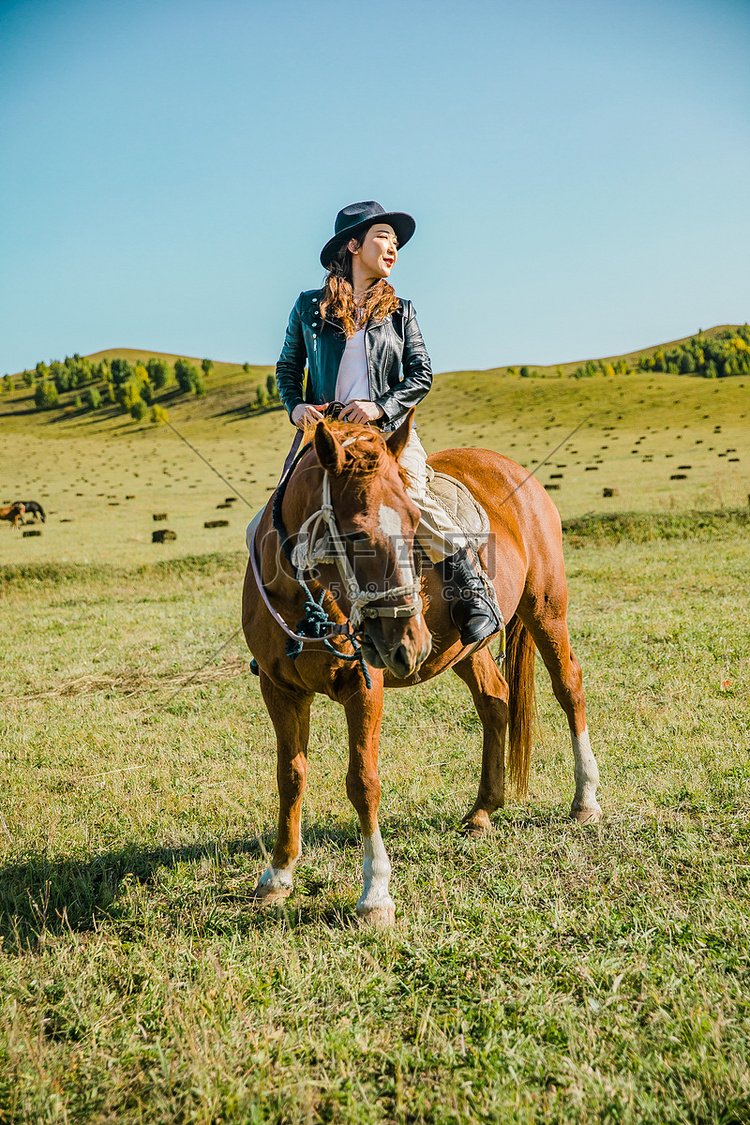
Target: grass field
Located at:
point(545, 973)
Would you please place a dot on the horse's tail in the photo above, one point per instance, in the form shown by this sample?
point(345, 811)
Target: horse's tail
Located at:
point(520, 653)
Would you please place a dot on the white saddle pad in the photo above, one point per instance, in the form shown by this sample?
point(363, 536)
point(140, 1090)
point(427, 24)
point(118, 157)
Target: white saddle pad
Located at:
point(459, 503)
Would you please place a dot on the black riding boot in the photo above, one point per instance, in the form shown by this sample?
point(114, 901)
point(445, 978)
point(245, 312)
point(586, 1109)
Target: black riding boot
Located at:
point(472, 611)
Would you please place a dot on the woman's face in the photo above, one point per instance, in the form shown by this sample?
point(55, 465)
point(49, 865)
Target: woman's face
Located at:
point(378, 252)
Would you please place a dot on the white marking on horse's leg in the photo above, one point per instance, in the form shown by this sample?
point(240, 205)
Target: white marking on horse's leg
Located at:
point(279, 878)
point(585, 805)
point(376, 873)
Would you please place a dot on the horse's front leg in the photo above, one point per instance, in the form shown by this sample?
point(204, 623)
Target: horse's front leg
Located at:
point(364, 712)
point(289, 709)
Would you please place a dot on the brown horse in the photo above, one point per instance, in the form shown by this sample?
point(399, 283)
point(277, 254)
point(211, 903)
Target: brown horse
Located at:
point(346, 512)
point(13, 513)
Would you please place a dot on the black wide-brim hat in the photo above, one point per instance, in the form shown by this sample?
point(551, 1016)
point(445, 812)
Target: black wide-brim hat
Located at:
point(357, 217)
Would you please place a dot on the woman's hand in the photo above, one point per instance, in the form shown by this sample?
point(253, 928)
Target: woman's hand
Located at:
point(361, 411)
point(305, 415)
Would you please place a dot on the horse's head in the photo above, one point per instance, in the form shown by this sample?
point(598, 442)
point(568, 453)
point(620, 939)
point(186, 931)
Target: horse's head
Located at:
point(376, 521)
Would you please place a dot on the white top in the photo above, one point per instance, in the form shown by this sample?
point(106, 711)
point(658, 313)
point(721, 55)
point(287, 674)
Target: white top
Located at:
point(352, 382)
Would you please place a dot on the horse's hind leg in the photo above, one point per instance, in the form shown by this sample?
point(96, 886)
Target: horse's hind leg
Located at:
point(490, 694)
point(290, 714)
point(549, 630)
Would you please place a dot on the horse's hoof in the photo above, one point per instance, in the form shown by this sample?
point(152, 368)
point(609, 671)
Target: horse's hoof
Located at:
point(586, 816)
point(265, 895)
point(378, 916)
point(476, 824)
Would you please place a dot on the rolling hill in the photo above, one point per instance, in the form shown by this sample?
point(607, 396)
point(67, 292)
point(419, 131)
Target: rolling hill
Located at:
point(644, 441)
point(231, 389)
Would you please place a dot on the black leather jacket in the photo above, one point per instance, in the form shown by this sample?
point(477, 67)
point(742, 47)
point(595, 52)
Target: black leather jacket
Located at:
point(398, 366)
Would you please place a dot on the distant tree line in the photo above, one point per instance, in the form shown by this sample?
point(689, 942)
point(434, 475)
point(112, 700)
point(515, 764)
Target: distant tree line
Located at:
point(585, 371)
point(118, 382)
point(713, 357)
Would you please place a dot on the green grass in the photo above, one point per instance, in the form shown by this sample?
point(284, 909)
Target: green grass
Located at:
point(544, 973)
point(645, 527)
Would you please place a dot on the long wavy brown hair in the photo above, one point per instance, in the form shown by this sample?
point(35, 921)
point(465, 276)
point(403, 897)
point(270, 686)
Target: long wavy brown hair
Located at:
point(338, 300)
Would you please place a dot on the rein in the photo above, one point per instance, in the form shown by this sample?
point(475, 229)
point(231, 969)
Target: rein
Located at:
point(343, 630)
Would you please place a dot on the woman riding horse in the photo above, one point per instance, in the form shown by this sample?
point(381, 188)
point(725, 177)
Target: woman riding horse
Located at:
point(334, 563)
point(363, 350)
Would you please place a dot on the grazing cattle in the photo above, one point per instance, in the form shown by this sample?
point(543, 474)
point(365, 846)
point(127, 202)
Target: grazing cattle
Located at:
point(333, 561)
point(34, 509)
point(12, 513)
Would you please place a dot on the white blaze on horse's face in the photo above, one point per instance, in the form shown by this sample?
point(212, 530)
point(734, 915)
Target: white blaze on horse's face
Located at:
point(389, 522)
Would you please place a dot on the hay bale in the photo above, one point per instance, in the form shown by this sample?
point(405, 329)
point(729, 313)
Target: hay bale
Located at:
point(224, 505)
point(130, 497)
point(678, 476)
point(31, 534)
point(159, 516)
point(552, 487)
point(216, 523)
point(163, 535)
point(230, 499)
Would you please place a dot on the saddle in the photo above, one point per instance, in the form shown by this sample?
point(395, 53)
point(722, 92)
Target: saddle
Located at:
point(461, 506)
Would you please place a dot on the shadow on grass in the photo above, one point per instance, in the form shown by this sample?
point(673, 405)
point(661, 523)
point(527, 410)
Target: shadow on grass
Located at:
point(41, 896)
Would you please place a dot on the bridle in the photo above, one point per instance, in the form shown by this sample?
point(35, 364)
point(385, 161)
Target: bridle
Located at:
point(320, 542)
point(314, 549)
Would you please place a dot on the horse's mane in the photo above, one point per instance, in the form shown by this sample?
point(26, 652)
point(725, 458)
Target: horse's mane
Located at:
point(366, 451)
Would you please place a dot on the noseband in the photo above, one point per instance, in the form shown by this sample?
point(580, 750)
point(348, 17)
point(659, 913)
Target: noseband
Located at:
point(320, 542)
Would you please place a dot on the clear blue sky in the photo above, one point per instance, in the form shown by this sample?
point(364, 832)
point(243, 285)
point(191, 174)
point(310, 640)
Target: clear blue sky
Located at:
point(169, 170)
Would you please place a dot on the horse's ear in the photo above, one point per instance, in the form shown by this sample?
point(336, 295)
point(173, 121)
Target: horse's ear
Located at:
point(328, 450)
point(396, 441)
